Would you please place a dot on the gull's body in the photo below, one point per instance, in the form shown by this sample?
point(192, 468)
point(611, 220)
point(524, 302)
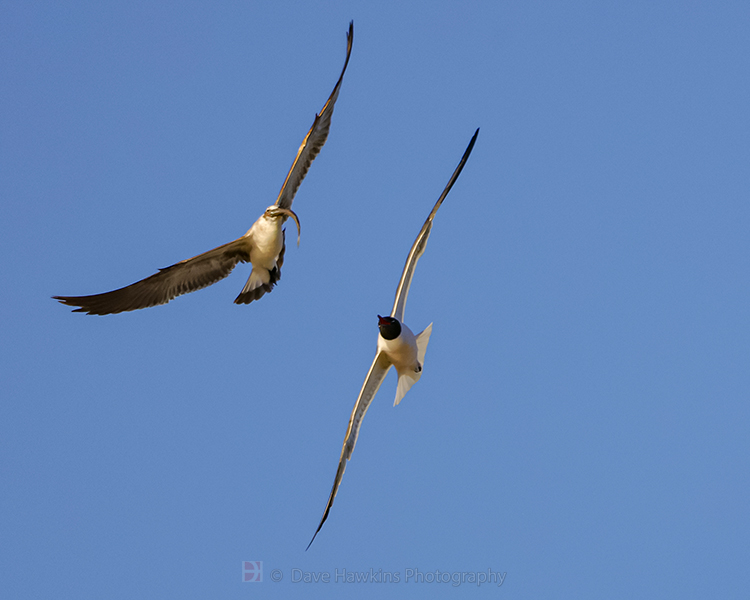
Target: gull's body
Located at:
point(405, 352)
point(263, 245)
point(397, 347)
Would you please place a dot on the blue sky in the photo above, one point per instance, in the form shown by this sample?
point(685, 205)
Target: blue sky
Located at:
point(582, 421)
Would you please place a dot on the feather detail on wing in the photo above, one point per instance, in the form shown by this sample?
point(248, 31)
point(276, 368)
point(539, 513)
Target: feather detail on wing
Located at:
point(372, 383)
point(181, 278)
point(417, 249)
point(315, 138)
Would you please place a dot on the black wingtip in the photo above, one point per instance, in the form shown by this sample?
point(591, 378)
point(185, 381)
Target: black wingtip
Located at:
point(323, 520)
point(454, 177)
point(318, 529)
point(349, 44)
point(471, 143)
point(312, 540)
point(73, 301)
point(464, 158)
point(349, 39)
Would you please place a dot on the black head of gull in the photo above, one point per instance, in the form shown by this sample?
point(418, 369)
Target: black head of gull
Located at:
point(389, 327)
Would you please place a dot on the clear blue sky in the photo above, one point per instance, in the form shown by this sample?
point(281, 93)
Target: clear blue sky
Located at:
point(582, 420)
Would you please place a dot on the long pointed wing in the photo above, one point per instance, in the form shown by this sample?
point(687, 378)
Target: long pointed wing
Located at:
point(370, 387)
point(183, 277)
point(417, 249)
point(315, 138)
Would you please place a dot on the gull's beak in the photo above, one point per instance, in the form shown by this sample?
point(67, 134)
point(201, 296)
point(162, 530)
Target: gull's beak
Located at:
point(290, 213)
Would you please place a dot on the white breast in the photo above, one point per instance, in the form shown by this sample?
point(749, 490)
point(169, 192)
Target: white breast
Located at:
point(402, 351)
point(267, 241)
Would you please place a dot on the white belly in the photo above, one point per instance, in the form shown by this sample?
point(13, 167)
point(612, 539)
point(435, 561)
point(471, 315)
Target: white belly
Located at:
point(267, 241)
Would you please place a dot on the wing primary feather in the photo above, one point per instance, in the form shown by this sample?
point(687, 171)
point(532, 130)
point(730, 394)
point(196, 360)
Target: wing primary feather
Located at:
point(417, 249)
point(180, 278)
point(374, 379)
point(315, 138)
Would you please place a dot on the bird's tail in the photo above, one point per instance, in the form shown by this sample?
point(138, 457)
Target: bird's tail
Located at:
point(257, 285)
point(407, 379)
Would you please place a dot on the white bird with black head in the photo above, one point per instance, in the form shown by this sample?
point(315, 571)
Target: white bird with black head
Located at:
point(398, 347)
point(263, 245)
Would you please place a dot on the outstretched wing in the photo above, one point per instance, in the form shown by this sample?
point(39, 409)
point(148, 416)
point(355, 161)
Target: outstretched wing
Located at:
point(315, 138)
point(374, 378)
point(417, 249)
point(181, 278)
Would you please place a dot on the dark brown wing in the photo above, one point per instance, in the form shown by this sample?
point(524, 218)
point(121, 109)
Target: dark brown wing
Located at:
point(315, 138)
point(181, 278)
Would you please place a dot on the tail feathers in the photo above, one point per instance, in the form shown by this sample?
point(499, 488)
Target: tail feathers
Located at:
point(259, 283)
point(422, 340)
point(409, 378)
point(405, 381)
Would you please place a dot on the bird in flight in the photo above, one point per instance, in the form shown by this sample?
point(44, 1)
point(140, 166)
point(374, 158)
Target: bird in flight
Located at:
point(397, 345)
point(263, 245)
